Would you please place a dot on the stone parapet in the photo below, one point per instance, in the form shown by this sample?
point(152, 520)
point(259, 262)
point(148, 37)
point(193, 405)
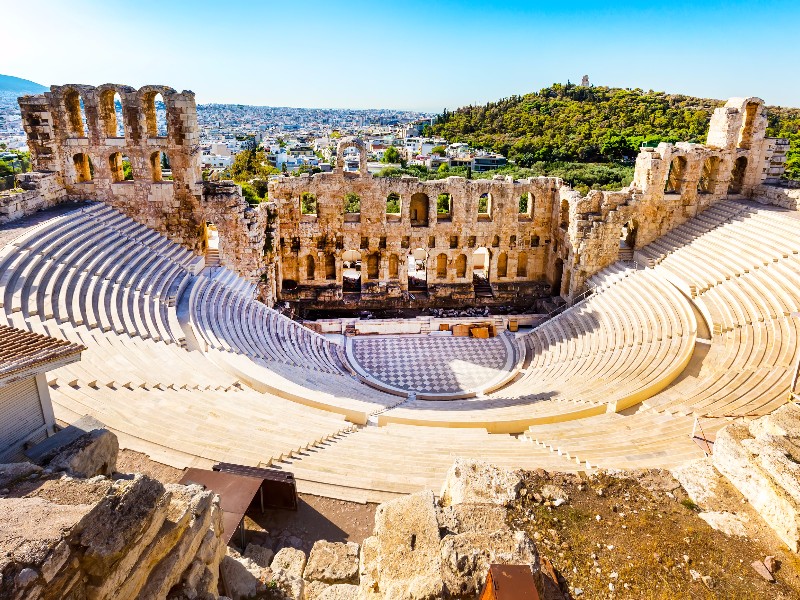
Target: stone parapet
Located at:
point(40, 190)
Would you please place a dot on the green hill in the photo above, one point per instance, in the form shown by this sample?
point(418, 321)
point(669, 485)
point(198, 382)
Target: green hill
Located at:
point(9, 83)
point(595, 124)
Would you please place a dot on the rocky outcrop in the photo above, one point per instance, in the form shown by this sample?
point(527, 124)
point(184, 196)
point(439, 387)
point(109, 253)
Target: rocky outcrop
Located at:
point(332, 563)
point(422, 549)
point(762, 460)
point(93, 453)
point(96, 538)
point(475, 482)
point(246, 576)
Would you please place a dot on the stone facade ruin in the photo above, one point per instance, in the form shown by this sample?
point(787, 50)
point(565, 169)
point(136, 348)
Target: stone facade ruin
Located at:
point(350, 239)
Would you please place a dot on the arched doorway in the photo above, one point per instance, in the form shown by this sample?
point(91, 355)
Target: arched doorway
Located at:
point(211, 243)
point(674, 183)
point(155, 115)
point(418, 270)
point(310, 267)
point(418, 210)
point(708, 176)
point(330, 267)
point(76, 116)
point(737, 176)
point(481, 259)
point(558, 275)
point(351, 271)
point(84, 170)
point(394, 266)
point(627, 240)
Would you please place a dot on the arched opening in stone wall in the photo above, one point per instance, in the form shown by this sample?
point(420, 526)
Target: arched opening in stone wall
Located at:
point(121, 169)
point(441, 266)
point(330, 267)
point(352, 207)
point(444, 207)
point(211, 244)
point(674, 183)
point(485, 206)
point(393, 207)
point(394, 266)
point(737, 175)
point(111, 114)
point(502, 265)
point(418, 270)
point(525, 205)
point(522, 264)
point(351, 161)
point(160, 166)
point(480, 263)
point(418, 210)
point(558, 275)
point(564, 215)
point(310, 267)
point(746, 132)
point(308, 204)
point(84, 170)
point(373, 266)
point(116, 167)
point(496, 241)
point(76, 116)
point(155, 115)
point(627, 237)
point(351, 271)
point(709, 175)
point(289, 274)
point(461, 265)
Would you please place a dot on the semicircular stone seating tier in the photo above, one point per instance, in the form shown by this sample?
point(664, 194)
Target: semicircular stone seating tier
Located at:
point(611, 352)
point(705, 332)
point(740, 263)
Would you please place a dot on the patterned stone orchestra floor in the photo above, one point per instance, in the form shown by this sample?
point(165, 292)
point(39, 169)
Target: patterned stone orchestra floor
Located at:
point(431, 364)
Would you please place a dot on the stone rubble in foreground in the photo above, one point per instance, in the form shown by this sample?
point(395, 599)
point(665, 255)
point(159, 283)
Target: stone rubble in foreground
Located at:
point(67, 530)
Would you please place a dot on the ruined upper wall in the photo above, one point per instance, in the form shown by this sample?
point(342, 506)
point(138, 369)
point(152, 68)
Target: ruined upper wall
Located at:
point(562, 239)
point(74, 132)
point(575, 236)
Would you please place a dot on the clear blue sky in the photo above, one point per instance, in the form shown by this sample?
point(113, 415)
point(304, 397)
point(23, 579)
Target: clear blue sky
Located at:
point(408, 53)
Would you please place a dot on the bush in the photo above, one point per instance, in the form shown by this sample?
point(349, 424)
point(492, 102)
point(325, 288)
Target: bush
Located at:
point(352, 203)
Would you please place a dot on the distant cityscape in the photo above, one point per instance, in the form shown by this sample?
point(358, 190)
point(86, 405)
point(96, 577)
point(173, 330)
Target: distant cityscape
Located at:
point(294, 138)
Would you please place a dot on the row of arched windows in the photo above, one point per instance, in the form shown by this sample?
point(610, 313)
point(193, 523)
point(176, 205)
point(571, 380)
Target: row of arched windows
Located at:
point(111, 114)
point(352, 261)
point(120, 167)
point(419, 206)
point(709, 175)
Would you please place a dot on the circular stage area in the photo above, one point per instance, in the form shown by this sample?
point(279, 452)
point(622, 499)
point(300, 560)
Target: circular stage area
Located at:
point(432, 367)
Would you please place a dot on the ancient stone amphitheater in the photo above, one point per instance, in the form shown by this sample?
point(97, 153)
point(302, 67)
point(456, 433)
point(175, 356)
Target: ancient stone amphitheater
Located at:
point(681, 295)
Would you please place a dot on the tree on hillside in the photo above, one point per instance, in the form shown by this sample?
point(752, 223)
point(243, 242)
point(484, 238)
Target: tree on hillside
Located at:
point(439, 150)
point(392, 155)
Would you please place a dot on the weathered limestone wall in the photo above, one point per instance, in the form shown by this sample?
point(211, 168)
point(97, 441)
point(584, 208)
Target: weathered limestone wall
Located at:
point(552, 248)
point(673, 183)
point(516, 242)
point(82, 146)
point(566, 239)
point(785, 195)
point(41, 190)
